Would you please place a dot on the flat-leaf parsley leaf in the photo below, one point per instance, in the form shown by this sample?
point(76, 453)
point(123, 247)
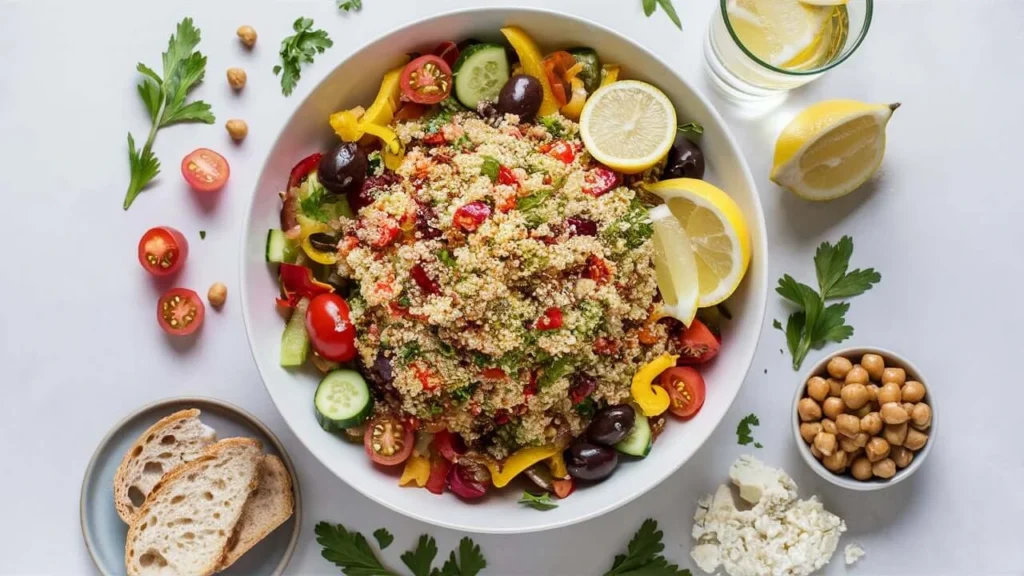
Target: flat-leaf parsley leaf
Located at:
point(422, 557)
point(297, 49)
point(469, 562)
point(349, 551)
point(541, 502)
point(743, 433)
point(383, 537)
point(350, 5)
point(643, 556)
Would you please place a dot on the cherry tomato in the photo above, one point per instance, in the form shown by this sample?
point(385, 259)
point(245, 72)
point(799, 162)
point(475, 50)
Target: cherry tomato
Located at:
point(425, 282)
point(550, 320)
point(561, 150)
point(447, 51)
point(205, 170)
point(426, 80)
point(698, 344)
point(303, 169)
point(388, 441)
point(685, 387)
point(599, 181)
point(438, 475)
point(470, 216)
point(506, 176)
point(180, 311)
point(597, 269)
point(449, 445)
point(563, 487)
point(162, 251)
point(330, 328)
point(555, 65)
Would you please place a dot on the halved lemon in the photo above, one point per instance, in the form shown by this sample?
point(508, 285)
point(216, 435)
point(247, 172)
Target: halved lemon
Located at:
point(831, 148)
point(717, 231)
point(783, 33)
point(628, 125)
point(676, 267)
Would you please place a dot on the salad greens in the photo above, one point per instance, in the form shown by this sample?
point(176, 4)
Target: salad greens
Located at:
point(299, 48)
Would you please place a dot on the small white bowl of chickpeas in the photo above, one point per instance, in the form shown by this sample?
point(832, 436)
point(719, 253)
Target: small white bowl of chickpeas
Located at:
point(864, 418)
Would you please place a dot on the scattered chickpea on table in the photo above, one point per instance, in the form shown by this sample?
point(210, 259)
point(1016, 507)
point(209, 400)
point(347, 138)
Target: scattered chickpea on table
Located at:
point(237, 129)
point(247, 35)
point(237, 78)
point(217, 295)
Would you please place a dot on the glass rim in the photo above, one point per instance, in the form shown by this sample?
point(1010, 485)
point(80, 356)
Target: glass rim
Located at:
point(842, 58)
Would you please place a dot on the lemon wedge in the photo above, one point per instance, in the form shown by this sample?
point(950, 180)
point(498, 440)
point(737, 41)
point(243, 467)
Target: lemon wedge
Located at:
point(628, 125)
point(717, 232)
point(784, 33)
point(831, 148)
point(675, 267)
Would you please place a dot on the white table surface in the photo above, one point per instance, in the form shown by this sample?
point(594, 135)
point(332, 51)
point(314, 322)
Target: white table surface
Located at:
point(942, 222)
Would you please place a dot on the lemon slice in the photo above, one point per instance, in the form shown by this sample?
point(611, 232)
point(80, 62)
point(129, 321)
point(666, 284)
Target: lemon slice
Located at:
point(628, 125)
point(784, 33)
point(718, 234)
point(675, 266)
point(831, 148)
point(825, 2)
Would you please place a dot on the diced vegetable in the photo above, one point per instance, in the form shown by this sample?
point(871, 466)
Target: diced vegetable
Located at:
point(417, 470)
point(342, 400)
point(591, 72)
point(295, 341)
point(279, 247)
point(609, 74)
point(653, 400)
point(638, 442)
point(502, 474)
point(480, 72)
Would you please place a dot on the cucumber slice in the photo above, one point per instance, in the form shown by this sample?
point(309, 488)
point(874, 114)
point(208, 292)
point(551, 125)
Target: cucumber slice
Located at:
point(480, 72)
point(342, 400)
point(295, 341)
point(638, 443)
point(591, 73)
point(280, 248)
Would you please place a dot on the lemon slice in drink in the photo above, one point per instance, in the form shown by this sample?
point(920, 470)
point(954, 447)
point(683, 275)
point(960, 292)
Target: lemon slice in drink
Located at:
point(717, 232)
point(628, 125)
point(825, 2)
point(676, 267)
point(831, 148)
point(784, 33)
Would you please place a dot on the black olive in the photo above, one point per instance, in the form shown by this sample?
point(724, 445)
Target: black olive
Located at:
point(588, 461)
point(343, 169)
point(324, 242)
point(611, 424)
point(685, 160)
point(382, 372)
point(521, 96)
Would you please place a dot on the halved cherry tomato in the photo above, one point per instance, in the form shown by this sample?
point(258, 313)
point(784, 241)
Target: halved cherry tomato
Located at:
point(555, 66)
point(685, 387)
point(698, 344)
point(423, 280)
point(550, 320)
point(506, 176)
point(438, 475)
point(389, 441)
point(470, 216)
point(561, 150)
point(426, 80)
point(597, 269)
point(449, 445)
point(563, 487)
point(205, 170)
point(180, 311)
point(330, 328)
point(599, 181)
point(447, 51)
point(162, 250)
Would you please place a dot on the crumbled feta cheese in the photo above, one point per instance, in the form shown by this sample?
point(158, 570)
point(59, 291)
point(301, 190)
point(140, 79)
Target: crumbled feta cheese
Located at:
point(779, 535)
point(853, 553)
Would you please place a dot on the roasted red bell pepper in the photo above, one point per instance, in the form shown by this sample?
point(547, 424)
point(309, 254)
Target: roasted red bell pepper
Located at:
point(298, 282)
point(449, 445)
point(438, 475)
point(303, 169)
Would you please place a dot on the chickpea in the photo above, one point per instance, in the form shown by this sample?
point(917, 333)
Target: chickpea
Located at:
point(897, 375)
point(857, 375)
point(808, 430)
point(825, 443)
point(816, 453)
point(838, 366)
point(884, 468)
point(829, 426)
point(901, 456)
point(817, 388)
point(848, 425)
point(861, 469)
point(217, 294)
point(833, 407)
point(808, 410)
point(893, 413)
point(848, 444)
point(855, 396)
point(237, 129)
point(237, 78)
point(913, 391)
point(889, 393)
point(877, 449)
point(874, 364)
point(864, 410)
point(835, 462)
point(862, 439)
point(835, 387)
point(247, 35)
point(872, 423)
point(921, 416)
point(915, 440)
point(896, 434)
point(872, 392)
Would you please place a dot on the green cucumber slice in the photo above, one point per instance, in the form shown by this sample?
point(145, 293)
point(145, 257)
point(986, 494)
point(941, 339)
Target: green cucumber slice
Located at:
point(280, 248)
point(295, 341)
point(342, 400)
point(638, 443)
point(480, 72)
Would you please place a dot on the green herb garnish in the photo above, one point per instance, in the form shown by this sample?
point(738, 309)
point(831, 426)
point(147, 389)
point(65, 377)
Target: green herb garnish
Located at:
point(312, 204)
point(586, 407)
point(556, 369)
point(692, 128)
point(374, 163)
point(351, 552)
point(409, 351)
point(462, 144)
point(350, 5)
point(490, 168)
point(463, 394)
point(165, 100)
point(635, 226)
point(666, 5)
point(384, 538)
point(404, 301)
point(446, 258)
point(438, 121)
point(202, 234)
point(643, 556)
point(554, 127)
point(538, 502)
point(815, 324)
point(533, 200)
point(743, 432)
point(299, 48)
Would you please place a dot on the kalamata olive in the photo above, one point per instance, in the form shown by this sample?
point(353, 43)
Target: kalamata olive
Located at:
point(521, 96)
point(382, 368)
point(685, 160)
point(611, 424)
point(468, 479)
point(541, 476)
point(578, 226)
point(588, 461)
point(324, 242)
point(344, 169)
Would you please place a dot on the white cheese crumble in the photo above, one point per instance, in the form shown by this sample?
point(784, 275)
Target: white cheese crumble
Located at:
point(779, 535)
point(853, 553)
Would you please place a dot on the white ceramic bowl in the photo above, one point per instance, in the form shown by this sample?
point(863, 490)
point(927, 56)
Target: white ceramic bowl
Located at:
point(892, 359)
point(355, 81)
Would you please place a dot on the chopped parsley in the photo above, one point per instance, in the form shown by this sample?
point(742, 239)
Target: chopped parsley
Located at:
point(533, 200)
point(743, 433)
point(404, 301)
point(463, 394)
point(374, 163)
point(691, 128)
point(490, 168)
point(297, 49)
point(202, 234)
point(351, 6)
point(436, 409)
point(538, 502)
point(480, 360)
point(556, 369)
point(586, 408)
point(462, 144)
point(409, 351)
point(384, 538)
point(446, 257)
point(554, 127)
point(635, 226)
point(438, 121)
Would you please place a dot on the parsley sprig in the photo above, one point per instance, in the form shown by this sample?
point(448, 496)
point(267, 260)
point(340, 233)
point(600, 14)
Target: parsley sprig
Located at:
point(165, 99)
point(350, 5)
point(351, 552)
point(298, 48)
point(744, 435)
point(643, 556)
point(541, 502)
point(815, 324)
point(666, 5)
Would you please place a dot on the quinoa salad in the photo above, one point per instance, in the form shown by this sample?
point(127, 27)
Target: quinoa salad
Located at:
point(481, 293)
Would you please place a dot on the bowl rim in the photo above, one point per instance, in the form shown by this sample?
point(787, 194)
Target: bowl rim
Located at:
point(760, 303)
point(844, 481)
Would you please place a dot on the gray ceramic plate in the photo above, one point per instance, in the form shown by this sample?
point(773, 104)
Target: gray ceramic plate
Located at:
point(103, 529)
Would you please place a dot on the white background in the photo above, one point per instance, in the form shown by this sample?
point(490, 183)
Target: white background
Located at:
point(942, 222)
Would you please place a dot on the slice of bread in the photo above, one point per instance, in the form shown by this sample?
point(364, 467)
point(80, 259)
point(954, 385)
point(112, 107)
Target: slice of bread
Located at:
point(172, 441)
point(185, 524)
point(268, 507)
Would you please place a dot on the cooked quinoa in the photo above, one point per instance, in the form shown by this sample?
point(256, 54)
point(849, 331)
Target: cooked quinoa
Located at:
point(458, 322)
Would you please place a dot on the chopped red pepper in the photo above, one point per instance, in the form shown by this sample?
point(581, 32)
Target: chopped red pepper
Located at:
point(305, 166)
point(448, 51)
point(298, 281)
point(387, 232)
point(599, 181)
point(449, 445)
point(563, 488)
point(501, 417)
point(506, 176)
point(597, 269)
point(561, 150)
point(435, 139)
point(424, 375)
point(425, 282)
point(438, 475)
point(470, 216)
point(494, 374)
point(582, 387)
point(550, 320)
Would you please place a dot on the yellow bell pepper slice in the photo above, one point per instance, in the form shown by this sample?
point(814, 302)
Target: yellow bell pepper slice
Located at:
point(533, 64)
point(652, 399)
point(574, 107)
point(417, 469)
point(346, 124)
point(328, 258)
point(502, 474)
point(609, 74)
point(384, 106)
point(557, 466)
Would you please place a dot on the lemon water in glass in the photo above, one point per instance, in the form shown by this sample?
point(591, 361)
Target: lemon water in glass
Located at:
point(758, 49)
